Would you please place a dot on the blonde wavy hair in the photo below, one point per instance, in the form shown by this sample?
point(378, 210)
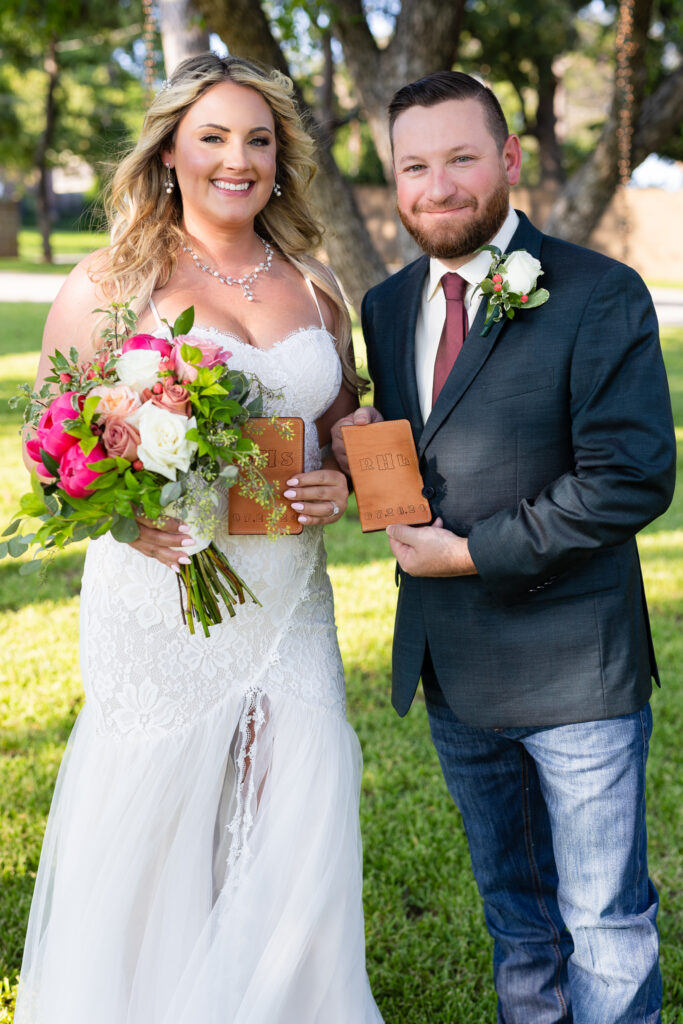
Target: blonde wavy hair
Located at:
point(145, 222)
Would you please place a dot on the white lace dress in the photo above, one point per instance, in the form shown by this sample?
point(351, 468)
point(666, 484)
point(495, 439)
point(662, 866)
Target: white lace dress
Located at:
point(202, 860)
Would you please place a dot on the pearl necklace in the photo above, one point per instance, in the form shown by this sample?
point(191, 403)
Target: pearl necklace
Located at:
point(247, 280)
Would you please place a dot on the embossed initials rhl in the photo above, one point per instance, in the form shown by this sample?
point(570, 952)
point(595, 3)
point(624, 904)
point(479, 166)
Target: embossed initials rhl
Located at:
point(385, 460)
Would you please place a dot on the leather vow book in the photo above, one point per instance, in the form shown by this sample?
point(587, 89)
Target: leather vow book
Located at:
point(285, 460)
point(386, 478)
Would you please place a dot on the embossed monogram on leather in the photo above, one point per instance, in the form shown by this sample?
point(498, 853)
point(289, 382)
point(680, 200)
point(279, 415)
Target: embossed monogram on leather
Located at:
point(385, 473)
point(285, 460)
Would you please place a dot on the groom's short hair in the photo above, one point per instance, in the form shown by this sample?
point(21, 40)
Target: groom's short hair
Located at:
point(449, 85)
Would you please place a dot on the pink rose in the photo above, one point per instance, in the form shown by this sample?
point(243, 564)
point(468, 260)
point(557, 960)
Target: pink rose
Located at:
point(147, 342)
point(212, 355)
point(51, 435)
point(74, 470)
point(121, 439)
point(173, 397)
point(119, 401)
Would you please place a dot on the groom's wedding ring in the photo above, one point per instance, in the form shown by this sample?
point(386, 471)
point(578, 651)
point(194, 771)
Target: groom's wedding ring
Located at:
point(335, 509)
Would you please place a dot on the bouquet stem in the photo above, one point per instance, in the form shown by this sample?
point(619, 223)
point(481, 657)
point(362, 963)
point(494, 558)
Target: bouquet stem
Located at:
point(201, 589)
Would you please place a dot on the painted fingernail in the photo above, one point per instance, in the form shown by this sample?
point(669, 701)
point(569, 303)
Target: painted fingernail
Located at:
point(187, 542)
point(292, 483)
point(184, 560)
point(297, 506)
point(289, 494)
point(176, 568)
point(183, 528)
point(303, 519)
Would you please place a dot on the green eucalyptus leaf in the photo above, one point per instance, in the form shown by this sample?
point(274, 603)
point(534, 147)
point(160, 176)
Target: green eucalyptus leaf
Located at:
point(16, 546)
point(29, 567)
point(170, 492)
point(12, 528)
point(124, 529)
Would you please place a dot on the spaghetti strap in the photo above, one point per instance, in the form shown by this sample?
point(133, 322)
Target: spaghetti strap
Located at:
point(156, 314)
point(315, 299)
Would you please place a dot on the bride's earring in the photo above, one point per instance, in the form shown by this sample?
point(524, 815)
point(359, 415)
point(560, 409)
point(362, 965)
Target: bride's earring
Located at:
point(277, 191)
point(169, 182)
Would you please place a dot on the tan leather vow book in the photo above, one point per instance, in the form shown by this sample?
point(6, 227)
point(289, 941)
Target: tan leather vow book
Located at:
point(386, 478)
point(285, 460)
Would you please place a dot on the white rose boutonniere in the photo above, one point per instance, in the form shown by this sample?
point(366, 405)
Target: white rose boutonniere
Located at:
point(510, 285)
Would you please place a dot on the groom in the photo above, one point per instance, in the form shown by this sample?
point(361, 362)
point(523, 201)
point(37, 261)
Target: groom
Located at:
point(545, 444)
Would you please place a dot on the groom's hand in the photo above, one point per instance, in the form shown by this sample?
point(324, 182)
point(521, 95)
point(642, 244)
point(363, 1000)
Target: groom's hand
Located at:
point(366, 414)
point(430, 550)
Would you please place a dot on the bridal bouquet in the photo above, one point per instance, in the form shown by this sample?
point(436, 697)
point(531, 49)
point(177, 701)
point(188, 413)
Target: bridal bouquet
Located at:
point(148, 427)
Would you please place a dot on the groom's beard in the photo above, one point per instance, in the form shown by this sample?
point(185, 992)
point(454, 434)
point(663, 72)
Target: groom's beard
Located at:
point(446, 241)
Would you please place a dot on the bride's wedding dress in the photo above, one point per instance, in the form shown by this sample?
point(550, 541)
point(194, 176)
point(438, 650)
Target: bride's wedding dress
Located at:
point(202, 860)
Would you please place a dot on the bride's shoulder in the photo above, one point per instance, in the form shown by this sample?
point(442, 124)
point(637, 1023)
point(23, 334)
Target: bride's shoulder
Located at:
point(73, 311)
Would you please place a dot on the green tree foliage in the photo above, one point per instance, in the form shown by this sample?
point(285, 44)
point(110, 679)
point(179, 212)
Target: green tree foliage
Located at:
point(70, 86)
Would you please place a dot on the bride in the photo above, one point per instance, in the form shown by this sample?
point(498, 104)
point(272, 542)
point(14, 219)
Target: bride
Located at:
point(202, 860)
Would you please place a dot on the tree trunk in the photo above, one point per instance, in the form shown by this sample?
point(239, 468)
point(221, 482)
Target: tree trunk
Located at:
point(243, 26)
point(43, 197)
point(182, 32)
point(549, 151)
point(425, 40)
point(587, 194)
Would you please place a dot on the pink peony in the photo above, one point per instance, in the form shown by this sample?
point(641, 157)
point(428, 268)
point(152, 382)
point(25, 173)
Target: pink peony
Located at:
point(121, 439)
point(148, 342)
point(212, 355)
point(173, 397)
point(119, 401)
point(50, 434)
point(74, 470)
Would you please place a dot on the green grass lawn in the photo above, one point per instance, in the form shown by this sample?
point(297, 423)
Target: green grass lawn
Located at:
point(428, 952)
point(67, 246)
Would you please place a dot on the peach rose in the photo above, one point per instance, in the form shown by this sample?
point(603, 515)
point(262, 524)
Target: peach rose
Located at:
point(120, 439)
point(119, 401)
point(174, 397)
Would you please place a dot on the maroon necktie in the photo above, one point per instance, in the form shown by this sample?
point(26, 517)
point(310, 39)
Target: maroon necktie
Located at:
point(454, 330)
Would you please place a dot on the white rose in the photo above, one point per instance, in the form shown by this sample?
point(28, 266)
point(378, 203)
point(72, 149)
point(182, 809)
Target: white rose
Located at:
point(521, 271)
point(139, 368)
point(163, 447)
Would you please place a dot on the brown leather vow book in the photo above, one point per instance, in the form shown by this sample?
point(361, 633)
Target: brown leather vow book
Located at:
point(386, 478)
point(285, 460)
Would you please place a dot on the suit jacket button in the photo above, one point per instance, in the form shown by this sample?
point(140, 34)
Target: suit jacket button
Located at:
point(428, 492)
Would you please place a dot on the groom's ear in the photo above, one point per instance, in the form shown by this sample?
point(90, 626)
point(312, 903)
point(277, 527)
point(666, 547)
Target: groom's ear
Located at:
point(512, 159)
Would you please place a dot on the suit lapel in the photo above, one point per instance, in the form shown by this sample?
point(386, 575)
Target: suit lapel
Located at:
point(476, 349)
point(404, 321)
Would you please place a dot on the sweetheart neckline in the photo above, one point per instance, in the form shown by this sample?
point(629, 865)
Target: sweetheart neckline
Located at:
point(256, 348)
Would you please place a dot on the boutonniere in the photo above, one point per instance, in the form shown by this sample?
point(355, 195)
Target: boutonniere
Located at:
point(510, 284)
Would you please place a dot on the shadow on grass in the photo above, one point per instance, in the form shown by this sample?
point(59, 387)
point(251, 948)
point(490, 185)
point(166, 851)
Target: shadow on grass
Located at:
point(62, 582)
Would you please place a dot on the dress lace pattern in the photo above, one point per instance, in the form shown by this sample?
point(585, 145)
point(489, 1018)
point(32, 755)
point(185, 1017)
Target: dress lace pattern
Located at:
point(130, 619)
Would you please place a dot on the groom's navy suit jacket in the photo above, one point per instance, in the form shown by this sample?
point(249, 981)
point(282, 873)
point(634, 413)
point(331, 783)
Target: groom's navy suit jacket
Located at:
point(549, 447)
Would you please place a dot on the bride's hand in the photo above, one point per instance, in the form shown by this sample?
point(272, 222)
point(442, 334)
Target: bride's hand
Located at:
point(319, 497)
point(160, 541)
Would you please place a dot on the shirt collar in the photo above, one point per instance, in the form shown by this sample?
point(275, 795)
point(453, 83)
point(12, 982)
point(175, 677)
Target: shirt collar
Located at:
point(476, 269)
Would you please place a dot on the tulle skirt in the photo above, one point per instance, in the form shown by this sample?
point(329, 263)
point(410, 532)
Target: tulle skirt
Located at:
point(207, 875)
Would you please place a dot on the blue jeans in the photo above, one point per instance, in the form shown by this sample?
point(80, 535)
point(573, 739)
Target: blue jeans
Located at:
point(555, 820)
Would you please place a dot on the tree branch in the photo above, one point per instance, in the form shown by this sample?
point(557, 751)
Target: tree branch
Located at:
point(587, 194)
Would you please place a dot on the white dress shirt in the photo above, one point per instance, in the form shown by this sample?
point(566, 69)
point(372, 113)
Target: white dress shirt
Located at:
point(432, 314)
